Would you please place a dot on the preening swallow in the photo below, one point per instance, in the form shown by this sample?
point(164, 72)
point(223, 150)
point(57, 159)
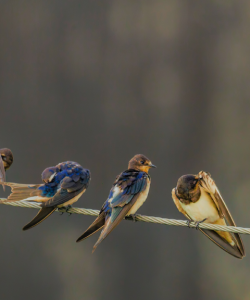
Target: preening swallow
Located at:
point(198, 198)
point(63, 185)
point(6, 160)
point(128, 193)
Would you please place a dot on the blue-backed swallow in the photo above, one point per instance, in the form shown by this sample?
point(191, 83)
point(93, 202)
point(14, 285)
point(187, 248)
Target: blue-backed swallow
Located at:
point(6, 160)
point(63, 185)
point(198, 198)
point(128, 193)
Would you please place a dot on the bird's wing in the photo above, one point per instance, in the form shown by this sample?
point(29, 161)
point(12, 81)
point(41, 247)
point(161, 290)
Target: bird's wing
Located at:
point(2, 172)
point(126, 186)
point(94, 227)
point(116, 216)
point(208, 184)
point(126, 191)
point(68, 190)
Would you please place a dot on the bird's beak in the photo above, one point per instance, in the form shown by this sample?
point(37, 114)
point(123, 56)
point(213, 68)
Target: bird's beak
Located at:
point(152, 166)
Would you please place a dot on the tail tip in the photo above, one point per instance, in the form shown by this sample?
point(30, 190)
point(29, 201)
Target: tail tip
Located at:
point(25, 228)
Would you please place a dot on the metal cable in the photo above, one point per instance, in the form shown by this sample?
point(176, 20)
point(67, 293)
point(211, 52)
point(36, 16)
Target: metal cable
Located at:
point(148, 219)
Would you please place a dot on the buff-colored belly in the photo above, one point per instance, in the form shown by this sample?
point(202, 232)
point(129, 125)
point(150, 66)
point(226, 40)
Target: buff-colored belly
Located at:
point(45, 199)
point(73, 200)
point(140, 200)
point(204, 208)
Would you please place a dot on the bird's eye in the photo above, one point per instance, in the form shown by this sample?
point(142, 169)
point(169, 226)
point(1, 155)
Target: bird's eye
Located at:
point(4, 158)
point(142, 162)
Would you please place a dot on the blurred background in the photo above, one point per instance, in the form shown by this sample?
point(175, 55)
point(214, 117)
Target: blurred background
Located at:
point(97, 82)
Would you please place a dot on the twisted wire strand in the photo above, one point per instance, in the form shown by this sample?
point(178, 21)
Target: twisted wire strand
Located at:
point(141, 218)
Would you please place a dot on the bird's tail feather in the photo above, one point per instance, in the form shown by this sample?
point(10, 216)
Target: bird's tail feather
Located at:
point(222, 243)
point(43, 214)
point(94, 227)
point(22, 191)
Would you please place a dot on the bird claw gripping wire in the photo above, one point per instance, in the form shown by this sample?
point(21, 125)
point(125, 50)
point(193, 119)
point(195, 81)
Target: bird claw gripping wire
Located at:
point(131, 217)
point(66, 209)
point(198, 223)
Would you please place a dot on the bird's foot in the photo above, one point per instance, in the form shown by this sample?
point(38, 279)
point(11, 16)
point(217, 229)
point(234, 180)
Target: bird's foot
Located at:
point(189, 222)
point(64, 209)
point(68, 208)
point(61, 210)
point(198, 223)
point(131, 217)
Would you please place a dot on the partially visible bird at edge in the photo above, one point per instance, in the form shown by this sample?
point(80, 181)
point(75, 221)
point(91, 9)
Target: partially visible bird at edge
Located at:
point(6, 160)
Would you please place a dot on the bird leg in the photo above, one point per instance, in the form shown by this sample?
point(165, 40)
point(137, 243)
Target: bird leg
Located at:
point(131, 217)
point(198, 223)
point(68, 208)
point(189, 222)
point(65, 209)
point(61, 210)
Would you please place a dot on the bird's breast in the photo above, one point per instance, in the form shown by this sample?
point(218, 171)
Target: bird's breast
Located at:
point(202, 209)
point(141, 199)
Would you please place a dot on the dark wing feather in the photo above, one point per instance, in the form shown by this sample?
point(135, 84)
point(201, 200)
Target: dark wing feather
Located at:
point(130, 184)
point(69, 189)
point(114, 220)
point(69, 184)
point(43, 214)
point(94, 227)
point(222, 243)
point(208, 184)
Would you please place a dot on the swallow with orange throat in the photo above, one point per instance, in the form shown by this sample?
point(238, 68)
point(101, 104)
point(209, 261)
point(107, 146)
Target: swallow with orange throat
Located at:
point(198, 198)
point(128, 193)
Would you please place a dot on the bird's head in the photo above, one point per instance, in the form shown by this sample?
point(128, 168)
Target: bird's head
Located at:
point(7, 157)
point(48, 174)
point(187, 186)
point(141, 163)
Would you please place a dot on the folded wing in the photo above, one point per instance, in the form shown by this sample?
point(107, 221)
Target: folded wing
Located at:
point(237, 250)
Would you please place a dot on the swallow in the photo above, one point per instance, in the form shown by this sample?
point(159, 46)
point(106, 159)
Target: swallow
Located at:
point(198, 198)
point(128, 193)
point(6, 160)
point(62, 186)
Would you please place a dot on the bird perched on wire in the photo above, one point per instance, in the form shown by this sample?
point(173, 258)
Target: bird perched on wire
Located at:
point(128, 193)
point(198, 198)
point(63, 185)
point(6, 160)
